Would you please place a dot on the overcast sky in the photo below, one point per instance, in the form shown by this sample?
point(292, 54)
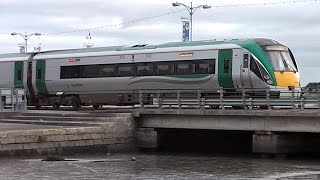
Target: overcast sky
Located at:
point(293, 24)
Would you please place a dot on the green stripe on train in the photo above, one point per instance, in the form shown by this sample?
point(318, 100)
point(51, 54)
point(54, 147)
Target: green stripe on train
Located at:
point(225, 68)
point(18, 75)
point(255, 49)
point(40, 76)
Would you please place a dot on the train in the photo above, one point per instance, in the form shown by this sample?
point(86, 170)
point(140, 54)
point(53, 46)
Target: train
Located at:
point(110, 75)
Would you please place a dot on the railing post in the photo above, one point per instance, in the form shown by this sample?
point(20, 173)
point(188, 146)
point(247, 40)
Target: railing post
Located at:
point(178, 98)
point(292, 99)
point(318, 97)
point(159, 100)
point(199, 98)
point(141, 98)
point(221, 98)
point(268, 98)
point(244, 99)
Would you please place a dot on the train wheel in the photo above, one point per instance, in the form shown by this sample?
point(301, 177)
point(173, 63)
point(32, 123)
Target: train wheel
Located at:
point(96, 106)
point(76, 103)
point(56, 106)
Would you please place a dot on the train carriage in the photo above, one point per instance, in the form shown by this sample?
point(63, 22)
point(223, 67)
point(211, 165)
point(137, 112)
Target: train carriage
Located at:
point(110, 75)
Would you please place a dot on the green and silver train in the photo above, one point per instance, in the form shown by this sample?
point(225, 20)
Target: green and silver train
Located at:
point(109, 75)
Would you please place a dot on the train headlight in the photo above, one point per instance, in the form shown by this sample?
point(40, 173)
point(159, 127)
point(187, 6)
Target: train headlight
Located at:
point(270, 82)
point(266, 77)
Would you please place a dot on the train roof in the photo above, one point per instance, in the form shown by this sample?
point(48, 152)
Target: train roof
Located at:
point(66, 52)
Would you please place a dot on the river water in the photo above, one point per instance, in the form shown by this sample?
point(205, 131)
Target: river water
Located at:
point(160, 166)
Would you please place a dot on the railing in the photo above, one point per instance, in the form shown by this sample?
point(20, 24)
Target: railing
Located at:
point(229, 98)
point(13, 100)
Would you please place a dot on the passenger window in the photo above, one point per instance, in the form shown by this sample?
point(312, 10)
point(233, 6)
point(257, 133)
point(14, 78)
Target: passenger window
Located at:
point(38, 73)
point(206, 67)
point(68, 72)
point(164, 69)
point(226, 65)
point(185, 68)
point(19, 75)
point(106, 71)
point(145, 69)
point(126, 70)
point(90, 71)
point(245, 60)
point(254, 68)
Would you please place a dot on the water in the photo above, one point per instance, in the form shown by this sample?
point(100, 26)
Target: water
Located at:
point(160, 166)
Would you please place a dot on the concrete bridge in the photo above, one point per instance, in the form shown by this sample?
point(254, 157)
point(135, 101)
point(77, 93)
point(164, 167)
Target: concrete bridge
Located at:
point(273, 131)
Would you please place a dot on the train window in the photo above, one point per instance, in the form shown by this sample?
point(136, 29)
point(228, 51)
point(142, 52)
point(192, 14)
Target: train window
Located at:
point(206, 67)
point(185, 68)
point(38, 73)
point(145, 69)
point(245, 60)
point(107, 70)
point(126, 70)
point(164, 69)
point(226, 65)
point(69, 72)
point(254, 67)
point(90, 71)
point(19, 75)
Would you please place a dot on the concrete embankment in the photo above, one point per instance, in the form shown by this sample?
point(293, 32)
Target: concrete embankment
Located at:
point(66, 133)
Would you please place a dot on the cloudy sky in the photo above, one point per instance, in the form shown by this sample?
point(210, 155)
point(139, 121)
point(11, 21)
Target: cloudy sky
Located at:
point(64, 24)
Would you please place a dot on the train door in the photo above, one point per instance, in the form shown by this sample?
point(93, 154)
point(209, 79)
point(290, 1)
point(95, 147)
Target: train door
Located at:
point(40, 76)
point(225, 68)
point(18, 74)
point(245, 72)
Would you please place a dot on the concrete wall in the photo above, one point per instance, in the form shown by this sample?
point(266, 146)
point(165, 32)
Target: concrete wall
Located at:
point(109, 137)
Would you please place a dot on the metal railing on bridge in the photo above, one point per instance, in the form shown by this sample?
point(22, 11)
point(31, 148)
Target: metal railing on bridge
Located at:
point(13, 100)
point(229, 98)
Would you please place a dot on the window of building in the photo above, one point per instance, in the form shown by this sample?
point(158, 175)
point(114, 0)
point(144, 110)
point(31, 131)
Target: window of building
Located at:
point(126, 70)
point(206, 67)
point(107, 70)
point(90, 71)
point(145, 69)
point(164, 69)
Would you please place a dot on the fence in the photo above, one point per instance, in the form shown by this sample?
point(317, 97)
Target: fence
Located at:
point(13, 100)
point(225, 98)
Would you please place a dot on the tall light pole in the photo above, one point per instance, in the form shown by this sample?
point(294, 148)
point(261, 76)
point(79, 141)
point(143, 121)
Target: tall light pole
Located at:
point(26, 37)
point(191, 11)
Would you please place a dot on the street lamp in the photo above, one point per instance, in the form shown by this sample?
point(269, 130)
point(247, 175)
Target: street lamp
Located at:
point(26, 37)
point(191, 11)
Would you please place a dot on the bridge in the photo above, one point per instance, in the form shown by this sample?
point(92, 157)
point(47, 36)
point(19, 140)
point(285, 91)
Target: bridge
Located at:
point(272, 122)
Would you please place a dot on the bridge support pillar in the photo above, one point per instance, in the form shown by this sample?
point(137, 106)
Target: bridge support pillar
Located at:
point(284, 143)
point(147, 138)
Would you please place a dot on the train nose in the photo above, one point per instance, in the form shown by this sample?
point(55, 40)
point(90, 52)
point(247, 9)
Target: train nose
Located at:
point(288, 79)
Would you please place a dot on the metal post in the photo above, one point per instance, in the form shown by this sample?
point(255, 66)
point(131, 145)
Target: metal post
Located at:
point(244, 99)
point(191, 13)
point(221, 98)
point(178, 98)
point(268, 98)
point(159, 100)
point(199, 98)
point(292, 99)
point(141, 98)
point(318, 96)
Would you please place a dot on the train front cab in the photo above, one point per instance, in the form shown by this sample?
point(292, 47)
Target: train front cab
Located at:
point(285, 69)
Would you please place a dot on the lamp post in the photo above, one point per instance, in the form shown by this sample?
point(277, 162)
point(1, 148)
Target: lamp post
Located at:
point(26, 37)
point(191, 11)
